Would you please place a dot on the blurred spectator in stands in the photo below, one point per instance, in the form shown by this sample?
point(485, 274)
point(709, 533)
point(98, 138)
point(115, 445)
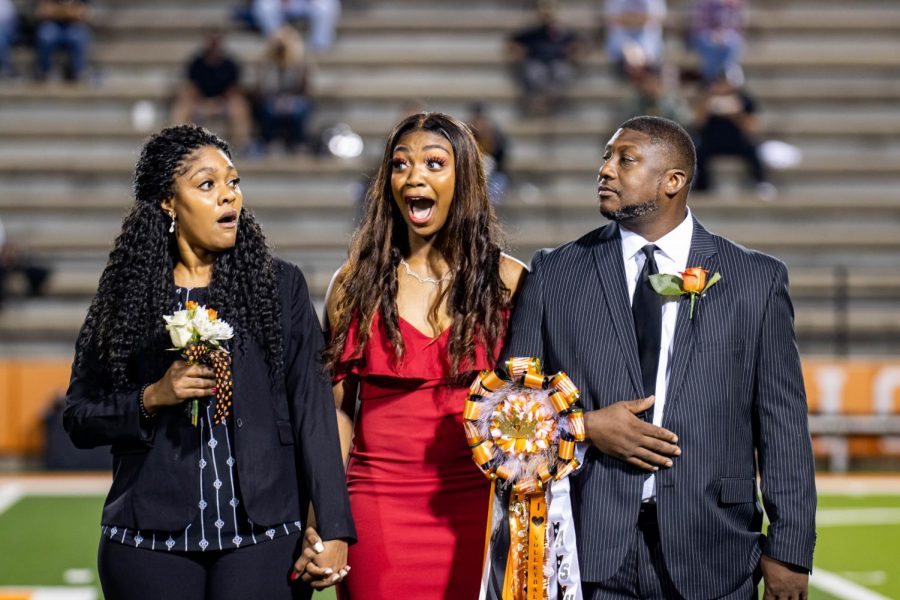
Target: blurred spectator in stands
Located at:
point(8, 28)
point(62, 25)
point(634, 33)
point(283, 89)
point(493, 144)
point(727, 125)
point(269, 16)
point(2, 263)
point(545, 57)
point(213, 88)
point(656, 95)
point(12, 260)
point(717, 35)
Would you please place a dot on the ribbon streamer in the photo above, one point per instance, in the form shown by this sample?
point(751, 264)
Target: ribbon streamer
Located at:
point(220, 362)
point(523, 427)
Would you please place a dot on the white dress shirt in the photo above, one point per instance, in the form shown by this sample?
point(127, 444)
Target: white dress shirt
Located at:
point(671, 257)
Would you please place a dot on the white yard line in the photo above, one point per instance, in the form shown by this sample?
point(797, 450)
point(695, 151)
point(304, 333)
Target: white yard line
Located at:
point(64, 594)
point(841, 588)
point(9, 495)
point(50, 593)
point(857, 485)
point(59, 485)
point(837, 517)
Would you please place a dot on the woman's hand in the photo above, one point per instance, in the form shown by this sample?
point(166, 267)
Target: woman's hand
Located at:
point(181, 382)
point(321, 564)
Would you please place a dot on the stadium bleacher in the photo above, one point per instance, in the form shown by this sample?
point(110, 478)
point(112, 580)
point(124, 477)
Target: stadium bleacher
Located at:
point(822, 71)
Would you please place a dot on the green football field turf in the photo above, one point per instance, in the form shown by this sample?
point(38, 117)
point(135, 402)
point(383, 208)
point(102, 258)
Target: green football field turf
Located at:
point(45, 538)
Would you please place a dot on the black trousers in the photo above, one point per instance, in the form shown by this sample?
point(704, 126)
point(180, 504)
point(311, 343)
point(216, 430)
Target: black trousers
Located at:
point(742, 147)
point(249, 573)
point(644, 574)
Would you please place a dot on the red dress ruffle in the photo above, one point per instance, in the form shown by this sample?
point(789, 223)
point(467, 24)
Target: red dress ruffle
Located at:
point(418, 500)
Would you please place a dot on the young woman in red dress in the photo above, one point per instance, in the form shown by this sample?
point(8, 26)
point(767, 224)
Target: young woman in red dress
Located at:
point(419, 307)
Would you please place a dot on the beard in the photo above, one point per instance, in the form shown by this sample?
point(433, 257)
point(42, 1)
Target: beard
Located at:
point(632, 211)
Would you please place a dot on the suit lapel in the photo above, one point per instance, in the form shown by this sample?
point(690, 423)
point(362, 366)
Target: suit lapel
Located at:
point(611, 270)
point(703, 254)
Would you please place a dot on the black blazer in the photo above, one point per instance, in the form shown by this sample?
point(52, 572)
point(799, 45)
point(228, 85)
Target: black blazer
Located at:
point(735, 399)
point(287, 446)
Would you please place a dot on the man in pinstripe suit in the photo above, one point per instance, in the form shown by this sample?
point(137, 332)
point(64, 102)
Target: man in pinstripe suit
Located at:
point(673, 512)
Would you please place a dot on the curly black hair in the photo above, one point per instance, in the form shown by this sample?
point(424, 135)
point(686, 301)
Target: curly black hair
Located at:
point(137, 287)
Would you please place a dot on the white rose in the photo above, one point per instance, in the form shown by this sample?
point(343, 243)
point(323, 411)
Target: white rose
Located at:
point(177, 319)
point(180, 336)
point(178, 326)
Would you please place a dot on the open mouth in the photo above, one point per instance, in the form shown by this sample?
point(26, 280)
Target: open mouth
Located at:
point(228, 219)
point(420, 209)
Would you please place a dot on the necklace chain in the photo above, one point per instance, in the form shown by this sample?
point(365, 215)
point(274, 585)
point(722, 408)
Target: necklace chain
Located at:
point(421, 279)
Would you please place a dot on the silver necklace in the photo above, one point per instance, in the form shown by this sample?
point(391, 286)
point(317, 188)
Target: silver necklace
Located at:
point(421, 279)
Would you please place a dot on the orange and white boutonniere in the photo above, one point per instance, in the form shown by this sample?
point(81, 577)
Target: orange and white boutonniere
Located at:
point(693, 282)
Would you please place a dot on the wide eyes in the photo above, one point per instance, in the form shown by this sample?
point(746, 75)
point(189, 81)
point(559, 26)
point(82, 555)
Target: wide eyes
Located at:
point(433, 163)
point(208, 184)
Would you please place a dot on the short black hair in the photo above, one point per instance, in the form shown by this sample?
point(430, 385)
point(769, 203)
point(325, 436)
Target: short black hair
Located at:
point(669, 133)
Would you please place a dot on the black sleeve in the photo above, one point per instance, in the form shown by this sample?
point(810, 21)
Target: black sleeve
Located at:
point(315, 419)
point(234, 73)
point(94, 416)
point(749, 103)
point(784, 450)
point(524, 37)
point(194, 70)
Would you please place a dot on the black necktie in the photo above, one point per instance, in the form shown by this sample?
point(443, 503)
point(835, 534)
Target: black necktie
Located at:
point(646, 307)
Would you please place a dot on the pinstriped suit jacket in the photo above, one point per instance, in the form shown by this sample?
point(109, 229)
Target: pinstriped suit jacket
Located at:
point(736, 401)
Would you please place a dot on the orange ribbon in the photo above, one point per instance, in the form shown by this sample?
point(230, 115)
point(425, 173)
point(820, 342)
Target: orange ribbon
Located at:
point(523, 576)
point(537, 524)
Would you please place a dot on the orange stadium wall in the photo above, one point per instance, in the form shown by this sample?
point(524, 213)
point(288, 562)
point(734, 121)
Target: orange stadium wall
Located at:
point(851, 387)
point(27, 390)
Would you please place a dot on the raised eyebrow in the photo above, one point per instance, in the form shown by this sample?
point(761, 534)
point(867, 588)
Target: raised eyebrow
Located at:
point(428, 147)
point(210, 170)
point(437, 147)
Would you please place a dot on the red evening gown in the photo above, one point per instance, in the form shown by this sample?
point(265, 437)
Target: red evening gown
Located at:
point(418, 500)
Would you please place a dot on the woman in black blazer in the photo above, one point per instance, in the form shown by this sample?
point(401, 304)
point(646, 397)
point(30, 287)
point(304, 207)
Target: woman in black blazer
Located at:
point(217, 509)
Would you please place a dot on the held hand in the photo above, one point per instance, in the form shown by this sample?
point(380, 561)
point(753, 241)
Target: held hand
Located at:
point(321, 564)
point(181, 382)
point(617, 431)
point(784, 581)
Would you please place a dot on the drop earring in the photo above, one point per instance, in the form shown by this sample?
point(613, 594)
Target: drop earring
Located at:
point(172, 226)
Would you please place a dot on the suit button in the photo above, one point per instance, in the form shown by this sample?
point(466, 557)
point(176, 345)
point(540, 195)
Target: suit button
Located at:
point(239, 422)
